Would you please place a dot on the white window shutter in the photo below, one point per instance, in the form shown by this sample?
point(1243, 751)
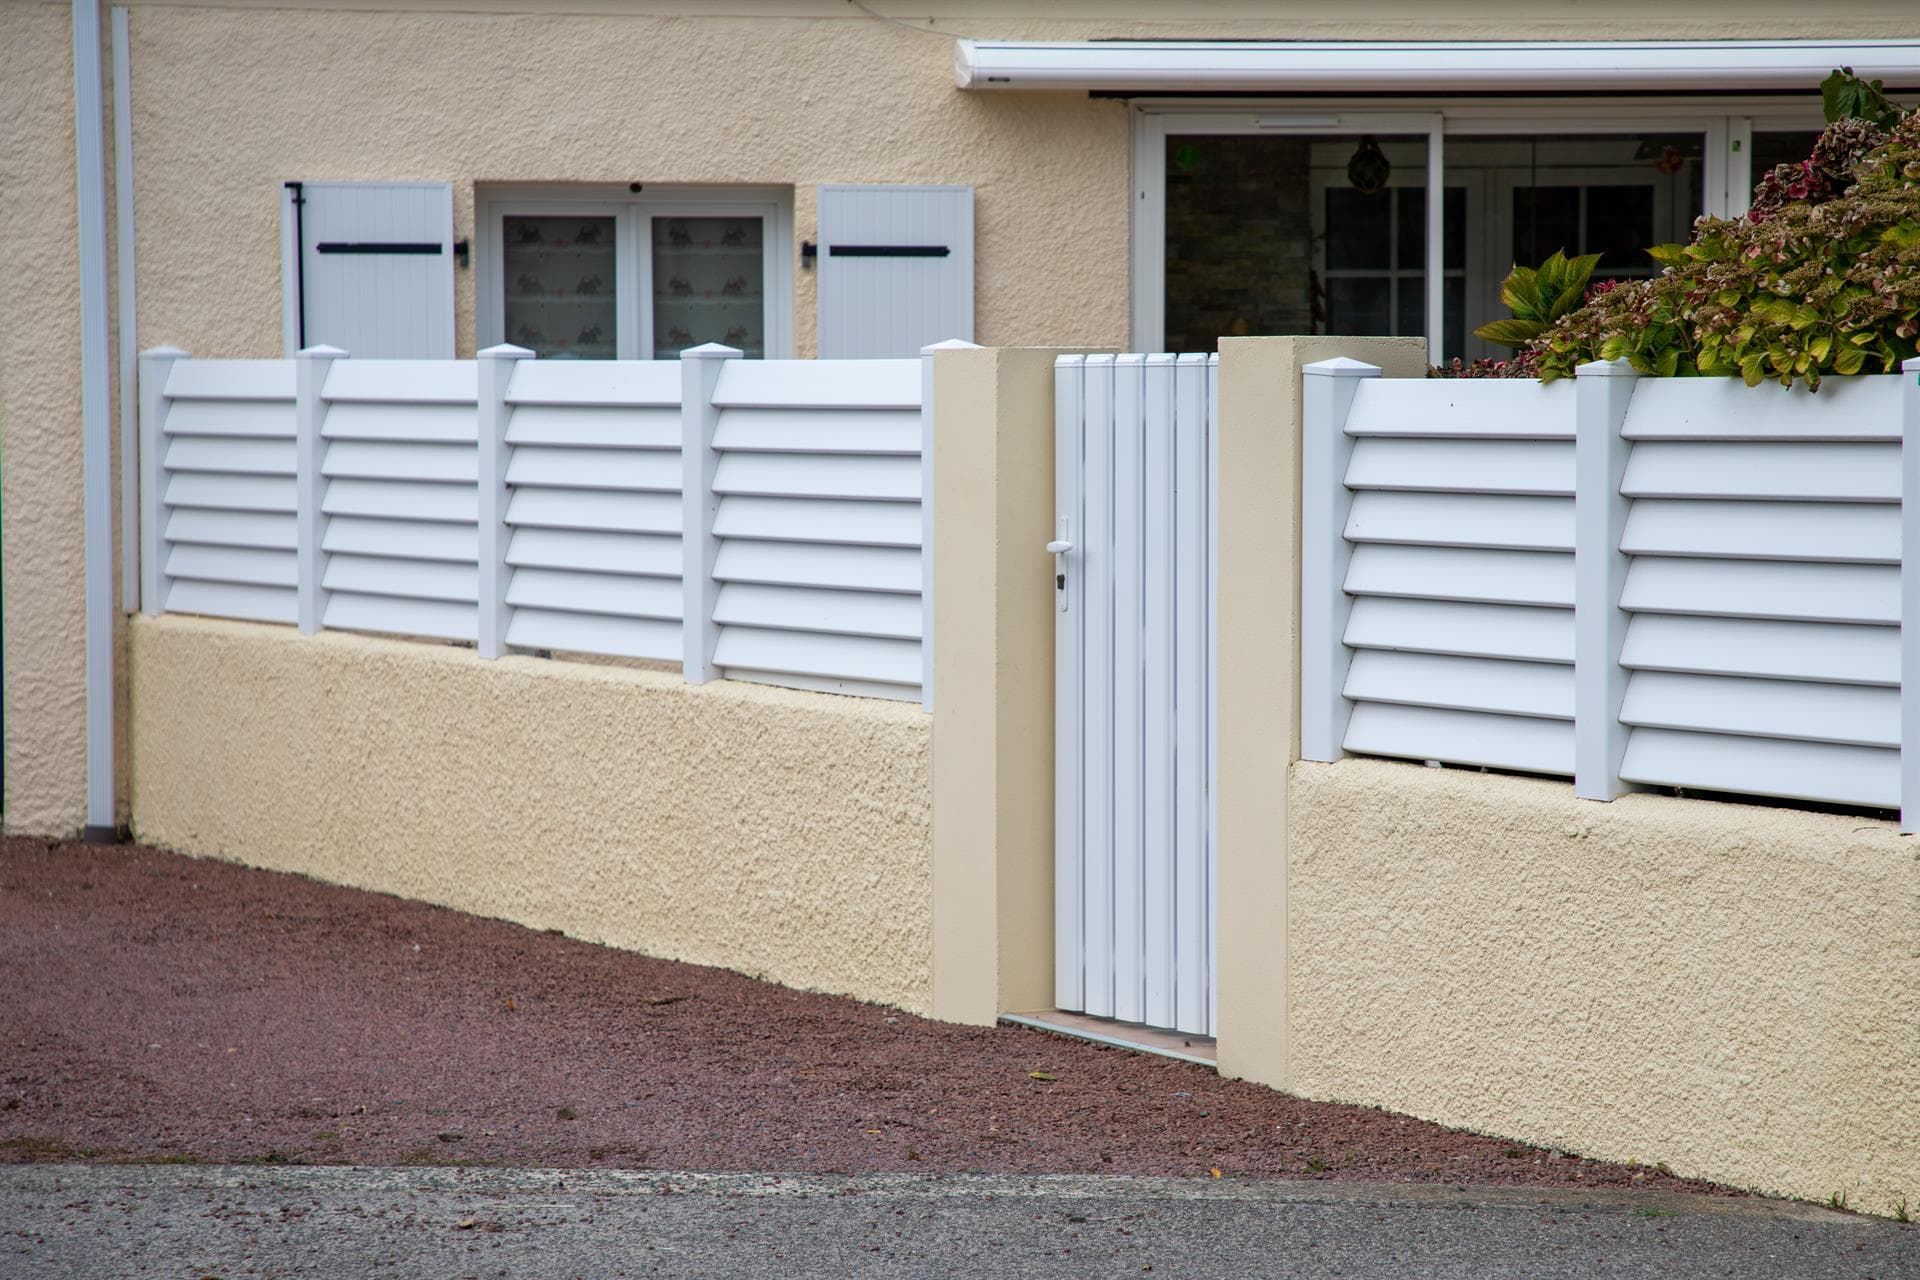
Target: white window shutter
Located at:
point(368, 267)
point(896, 269)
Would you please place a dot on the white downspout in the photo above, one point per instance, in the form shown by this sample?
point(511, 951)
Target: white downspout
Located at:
point(89, 134)
point(128, 330)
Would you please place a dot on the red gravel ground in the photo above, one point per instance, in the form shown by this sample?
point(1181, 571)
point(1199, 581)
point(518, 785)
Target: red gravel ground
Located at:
point(162, 1008)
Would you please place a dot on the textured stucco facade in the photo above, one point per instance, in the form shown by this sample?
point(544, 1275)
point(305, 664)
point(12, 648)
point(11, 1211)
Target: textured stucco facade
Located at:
point(782, 834)
point(1731, 989)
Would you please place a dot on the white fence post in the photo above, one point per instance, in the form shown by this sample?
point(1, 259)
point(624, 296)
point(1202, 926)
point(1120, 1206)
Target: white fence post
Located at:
point(156, 364)
point(1910, 596)
point(1605, 388)
point(309, 416)
point(700, 370)
point(1325, 501)
point(495, 368)
point(926, 511)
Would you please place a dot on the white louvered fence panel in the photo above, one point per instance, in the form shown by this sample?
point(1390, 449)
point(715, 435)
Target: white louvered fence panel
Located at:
point(227, 490)
point(1460, 573)
point(399, 499)
point(594, 512)
point(1764, 589)
point(819, 524)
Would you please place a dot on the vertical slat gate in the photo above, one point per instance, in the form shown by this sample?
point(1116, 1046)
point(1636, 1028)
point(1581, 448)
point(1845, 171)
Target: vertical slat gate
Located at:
point(1133, 884)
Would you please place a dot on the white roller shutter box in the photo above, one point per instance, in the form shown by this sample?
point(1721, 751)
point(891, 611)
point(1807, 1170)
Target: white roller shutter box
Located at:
point(896, 269)
point(368, 267)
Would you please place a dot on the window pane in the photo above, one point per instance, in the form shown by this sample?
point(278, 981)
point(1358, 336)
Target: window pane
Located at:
point(1239, 228)
point(1545, 219)
point(1358, 227)
point(1620, 226)
point(1781, 147)
point(559, 280)
point(1410, 235)
point(1360, 306)
point(709, 282)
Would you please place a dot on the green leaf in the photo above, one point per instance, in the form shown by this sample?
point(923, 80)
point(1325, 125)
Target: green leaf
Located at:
point(1849, 360)
point(1510, 333)
point(1669, 255)
point(1821, 347)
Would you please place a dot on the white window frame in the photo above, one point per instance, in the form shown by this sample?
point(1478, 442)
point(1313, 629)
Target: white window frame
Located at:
point(633, 214)
point(1727, 123)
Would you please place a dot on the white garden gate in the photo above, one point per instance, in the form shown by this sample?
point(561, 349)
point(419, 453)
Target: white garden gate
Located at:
point(1133, 563)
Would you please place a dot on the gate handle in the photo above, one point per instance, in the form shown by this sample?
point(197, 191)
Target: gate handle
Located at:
point(1059, 548)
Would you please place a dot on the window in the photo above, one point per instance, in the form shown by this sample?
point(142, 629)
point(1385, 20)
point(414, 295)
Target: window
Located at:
point(639, 276)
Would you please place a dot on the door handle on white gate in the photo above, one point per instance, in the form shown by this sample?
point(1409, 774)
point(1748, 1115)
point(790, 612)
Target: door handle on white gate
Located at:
point(1058, 549)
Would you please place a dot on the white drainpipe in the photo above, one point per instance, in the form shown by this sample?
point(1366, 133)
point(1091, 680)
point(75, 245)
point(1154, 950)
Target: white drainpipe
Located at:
point(95, 426)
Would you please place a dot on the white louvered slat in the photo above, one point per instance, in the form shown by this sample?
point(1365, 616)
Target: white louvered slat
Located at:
point(819, 384)
point(1859, 408)
point(404, 578)
point(231, 528)
point(394, 616)
point(1764, 766)
point(597, 383)
point(595, 552)
point(856, 613)
point(1465, 630)
point(1827, 471)
point(875, 524)
point(605, 510)
point(1543, 467)
point(652, 470)
point(248, 601)
point(1843, 533)
point(1463, 684)
point(1493, 408)
point(595, 633)
point(453, 464)
point(837, 476)
point(230, 492)
point(403, 423)
point(1462, 573)
point(1461, 737)
point(401, 500)
point(402, 382)
point(622, 595)
point(1859, 715)
point(809, 654)
point(250, 565)
point(410, 539)
point(267, 419)
point(595, 426)
point(875, 432)
point(231, 380)
point(1818, 651)
point(232, 456)
point(798, 564)
point(1497, 521)
point(1786, 590)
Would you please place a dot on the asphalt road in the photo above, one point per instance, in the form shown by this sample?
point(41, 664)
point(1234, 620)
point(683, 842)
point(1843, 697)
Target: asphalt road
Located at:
point(191, 1222)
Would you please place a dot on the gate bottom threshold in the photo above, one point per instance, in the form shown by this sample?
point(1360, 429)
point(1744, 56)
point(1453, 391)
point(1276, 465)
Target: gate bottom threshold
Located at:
point(1121, 1035)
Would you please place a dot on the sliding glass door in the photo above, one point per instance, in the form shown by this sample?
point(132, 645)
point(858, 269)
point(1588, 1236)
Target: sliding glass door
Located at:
point(1292, 221)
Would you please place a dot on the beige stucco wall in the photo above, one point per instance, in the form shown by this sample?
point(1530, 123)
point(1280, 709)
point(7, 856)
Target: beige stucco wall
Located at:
point(1731, 989)
point(41, 560)
point(782, 834)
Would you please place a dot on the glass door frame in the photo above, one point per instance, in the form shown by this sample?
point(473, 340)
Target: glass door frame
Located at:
point(1727, 124)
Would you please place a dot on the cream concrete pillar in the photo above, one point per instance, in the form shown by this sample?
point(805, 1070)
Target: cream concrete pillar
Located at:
point(992, 683)
point(1256, 647)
